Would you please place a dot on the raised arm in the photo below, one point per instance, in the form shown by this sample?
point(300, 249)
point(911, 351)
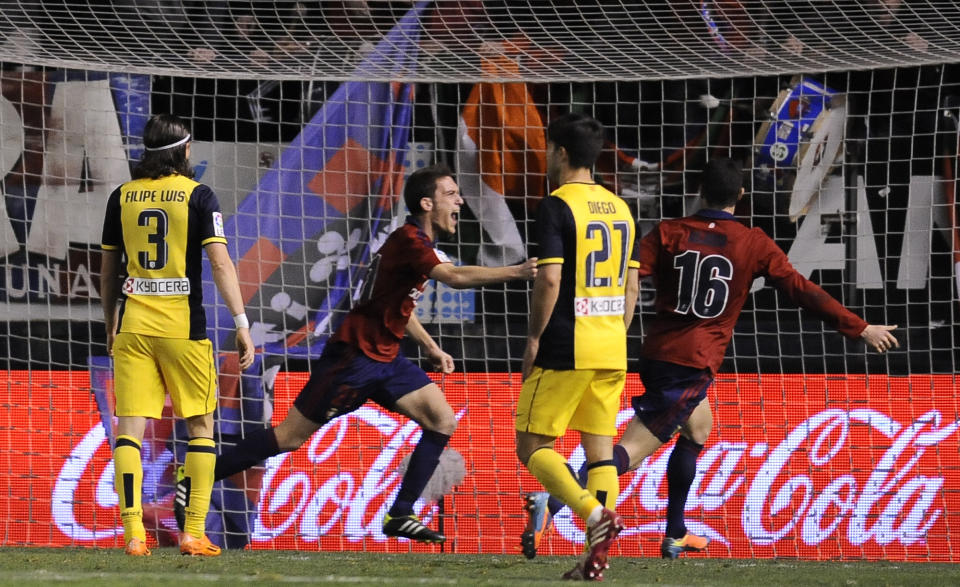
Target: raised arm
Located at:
point(225, 277)
point(464, 276)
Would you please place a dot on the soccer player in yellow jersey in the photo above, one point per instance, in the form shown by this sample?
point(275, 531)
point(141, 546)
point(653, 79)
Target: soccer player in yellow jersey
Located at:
point(584, 297)
point(156, 328)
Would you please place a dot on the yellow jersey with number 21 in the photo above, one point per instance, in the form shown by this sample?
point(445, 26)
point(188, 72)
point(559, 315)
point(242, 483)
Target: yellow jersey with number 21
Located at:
point(591, 232)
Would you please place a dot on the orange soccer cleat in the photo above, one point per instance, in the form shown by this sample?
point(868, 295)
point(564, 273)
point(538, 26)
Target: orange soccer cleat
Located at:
point(137, 547)
point(197, 546)
point(674, 547)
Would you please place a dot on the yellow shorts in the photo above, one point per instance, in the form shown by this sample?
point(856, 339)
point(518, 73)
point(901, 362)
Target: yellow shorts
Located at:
point(581, 399)
point(145, 368)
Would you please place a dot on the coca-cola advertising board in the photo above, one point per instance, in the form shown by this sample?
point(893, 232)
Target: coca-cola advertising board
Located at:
point(805, 466)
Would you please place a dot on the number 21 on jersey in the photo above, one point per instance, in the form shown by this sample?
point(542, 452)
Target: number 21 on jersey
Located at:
point(601, 233)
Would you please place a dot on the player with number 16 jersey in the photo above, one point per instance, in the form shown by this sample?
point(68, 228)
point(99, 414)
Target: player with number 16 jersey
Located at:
point(704, 266)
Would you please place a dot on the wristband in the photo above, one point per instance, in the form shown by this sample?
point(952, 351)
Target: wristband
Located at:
point(240, 321)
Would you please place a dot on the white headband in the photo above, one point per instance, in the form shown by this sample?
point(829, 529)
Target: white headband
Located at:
point(170, 146)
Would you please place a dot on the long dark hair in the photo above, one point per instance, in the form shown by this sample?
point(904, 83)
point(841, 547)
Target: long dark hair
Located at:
point(162, 130)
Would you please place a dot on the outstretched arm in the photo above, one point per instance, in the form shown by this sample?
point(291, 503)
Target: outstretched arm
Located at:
point(225, 276)
point(441, 361)
point(812, 297)
point(463, 276)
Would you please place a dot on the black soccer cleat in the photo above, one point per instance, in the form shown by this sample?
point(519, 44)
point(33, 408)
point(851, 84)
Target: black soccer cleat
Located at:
point(410, 527)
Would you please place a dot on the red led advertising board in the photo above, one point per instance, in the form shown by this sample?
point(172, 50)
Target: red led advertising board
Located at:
point(808, 466)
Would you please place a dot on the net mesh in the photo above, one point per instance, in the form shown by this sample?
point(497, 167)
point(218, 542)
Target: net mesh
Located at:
point(844, 115)
point(594, 40)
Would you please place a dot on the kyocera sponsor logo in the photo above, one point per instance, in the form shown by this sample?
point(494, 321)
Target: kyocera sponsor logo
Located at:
point(142, 286)
point(599, 306)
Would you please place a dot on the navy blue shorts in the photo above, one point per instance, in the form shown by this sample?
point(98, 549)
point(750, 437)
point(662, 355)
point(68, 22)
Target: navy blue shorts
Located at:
point(343, 378)
point(671, 392)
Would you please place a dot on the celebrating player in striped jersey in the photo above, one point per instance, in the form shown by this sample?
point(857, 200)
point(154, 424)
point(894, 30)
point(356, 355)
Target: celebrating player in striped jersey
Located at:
point(583, 299)
point(161, 220)
point(703, 266)
point(362, 360)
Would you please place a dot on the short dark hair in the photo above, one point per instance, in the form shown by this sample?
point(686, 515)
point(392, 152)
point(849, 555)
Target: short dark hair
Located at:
point(162, 130)
point(580, 135)
point(422, 183)
point(721, 182)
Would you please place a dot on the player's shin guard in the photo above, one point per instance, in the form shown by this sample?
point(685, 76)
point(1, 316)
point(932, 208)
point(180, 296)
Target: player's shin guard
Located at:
point(553, 472)
point(198, 478)
point(128, 482)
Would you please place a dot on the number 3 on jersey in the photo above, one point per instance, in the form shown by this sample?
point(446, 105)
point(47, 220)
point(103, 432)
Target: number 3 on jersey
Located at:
point(602, 231)
point(157, 219)
point(702, 284)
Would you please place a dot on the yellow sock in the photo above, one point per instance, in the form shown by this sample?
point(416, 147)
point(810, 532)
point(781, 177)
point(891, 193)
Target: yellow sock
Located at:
point(128, 483)
point(198, 471)
point(602, 482)
point(554, 473)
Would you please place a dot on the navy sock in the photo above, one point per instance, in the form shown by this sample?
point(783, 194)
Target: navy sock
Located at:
point(620, 459)
point(681, 471)
point(423, 462)
point(257, 446)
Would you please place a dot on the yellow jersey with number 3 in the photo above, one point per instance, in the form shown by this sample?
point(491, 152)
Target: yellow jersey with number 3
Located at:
point(591, 232)
point(161, 226)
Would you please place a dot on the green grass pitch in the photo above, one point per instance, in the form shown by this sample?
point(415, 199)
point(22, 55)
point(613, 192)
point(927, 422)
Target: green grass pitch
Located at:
point(41, 566)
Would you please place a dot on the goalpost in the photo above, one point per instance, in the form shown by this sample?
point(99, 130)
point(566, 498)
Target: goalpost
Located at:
point(306, 117)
